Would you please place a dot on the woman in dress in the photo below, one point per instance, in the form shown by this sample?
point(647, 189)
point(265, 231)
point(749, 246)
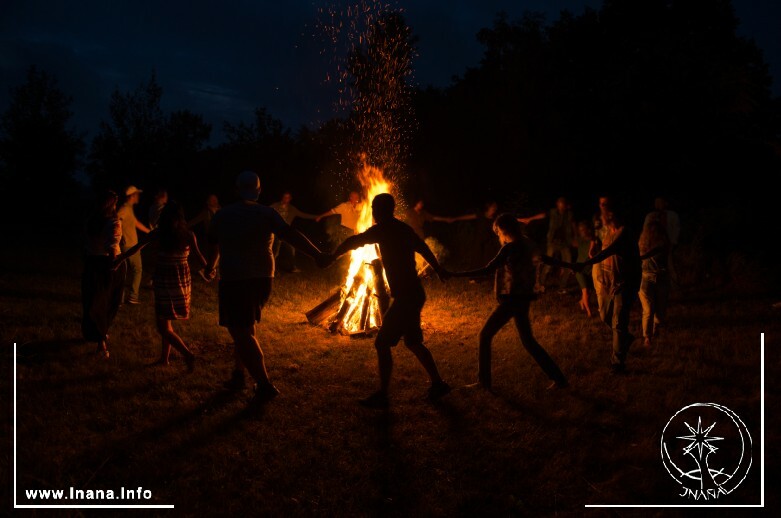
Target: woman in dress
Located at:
point(172, 282)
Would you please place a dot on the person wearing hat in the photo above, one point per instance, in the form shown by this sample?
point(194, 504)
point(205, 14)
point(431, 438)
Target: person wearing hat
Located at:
point(130, 226)
point(240, 239)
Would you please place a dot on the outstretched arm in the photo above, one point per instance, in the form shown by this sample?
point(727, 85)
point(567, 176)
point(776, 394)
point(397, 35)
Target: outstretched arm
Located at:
point(351, 243)
point(485, 270)
point(423, 249)
point(465, 217)
point(329, 212)
point(299, 241)
point(136, 248)
point(606, 252)
point(528, 220)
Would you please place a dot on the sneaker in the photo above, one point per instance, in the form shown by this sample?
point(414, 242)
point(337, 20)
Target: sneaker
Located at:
point(437, 390)
point(264, 394)
point(377, 400)
point(132, 302)
point(295, 270)
point(562, 291)
point(235, 383)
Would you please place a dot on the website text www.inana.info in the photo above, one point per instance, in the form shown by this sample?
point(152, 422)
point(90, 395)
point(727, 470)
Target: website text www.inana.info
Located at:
point(72, 493)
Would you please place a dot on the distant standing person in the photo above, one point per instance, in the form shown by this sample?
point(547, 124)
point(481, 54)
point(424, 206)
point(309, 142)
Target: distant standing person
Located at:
point(561, 237)
point(417, 216)
point(398, 244)
point(586, 240)
point(172, 282)
point(655, 285)
point(102, 281)
point(240, 240)
point(515, 275)
point(485, 238)
point(621, 274)
point(349, 213)
point(200, 223)
point(289, 212)
point(161, 198)
point(130, 226)
point(601, 231)
point(672, 224)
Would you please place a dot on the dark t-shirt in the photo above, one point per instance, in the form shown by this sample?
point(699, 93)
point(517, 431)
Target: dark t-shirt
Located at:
point(515, 271)
point(244, 233)
point(398, 244)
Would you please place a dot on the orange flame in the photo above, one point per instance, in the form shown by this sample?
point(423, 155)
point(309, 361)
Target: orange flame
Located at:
point(364, 312)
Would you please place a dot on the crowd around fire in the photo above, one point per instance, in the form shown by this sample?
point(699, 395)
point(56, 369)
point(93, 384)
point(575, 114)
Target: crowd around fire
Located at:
point(238, 244)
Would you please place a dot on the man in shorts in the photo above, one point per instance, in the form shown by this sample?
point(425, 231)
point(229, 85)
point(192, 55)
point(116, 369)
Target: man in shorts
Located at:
point(398, 244)
point(240, 240)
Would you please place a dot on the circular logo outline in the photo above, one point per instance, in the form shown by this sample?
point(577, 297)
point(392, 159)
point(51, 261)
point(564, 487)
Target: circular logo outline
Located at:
point(744, 463)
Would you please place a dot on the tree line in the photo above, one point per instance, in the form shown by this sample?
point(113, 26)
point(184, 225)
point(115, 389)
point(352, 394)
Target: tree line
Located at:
point(637, 97)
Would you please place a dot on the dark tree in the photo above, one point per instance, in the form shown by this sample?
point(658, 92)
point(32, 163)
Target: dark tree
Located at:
point(39, 152)
point(139, 144)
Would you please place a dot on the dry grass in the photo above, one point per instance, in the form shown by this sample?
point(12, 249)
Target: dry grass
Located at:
point(94, 424)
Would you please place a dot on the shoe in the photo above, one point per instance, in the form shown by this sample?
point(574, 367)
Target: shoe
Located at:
point(132, 302)
point(562, 291)
point(295, 270)
point(437, 390)
point(264, 394)
point(377, 400)
point(235, 383)
point(647, 342)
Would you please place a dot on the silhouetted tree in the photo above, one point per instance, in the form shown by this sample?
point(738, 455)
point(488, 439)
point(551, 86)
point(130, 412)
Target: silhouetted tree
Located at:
point(139, 144)
point(39, 152)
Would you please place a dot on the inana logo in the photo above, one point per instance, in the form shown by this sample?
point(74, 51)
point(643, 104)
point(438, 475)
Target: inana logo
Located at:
point(706, 448)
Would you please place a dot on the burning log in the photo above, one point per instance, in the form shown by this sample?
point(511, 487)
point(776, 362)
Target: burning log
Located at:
point(358, 311)
point(320, 313)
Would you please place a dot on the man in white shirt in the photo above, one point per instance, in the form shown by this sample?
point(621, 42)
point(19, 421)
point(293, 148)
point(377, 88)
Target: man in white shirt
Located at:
point(130, 226)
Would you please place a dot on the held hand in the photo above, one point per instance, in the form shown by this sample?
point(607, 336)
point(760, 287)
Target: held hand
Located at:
point(577, 267)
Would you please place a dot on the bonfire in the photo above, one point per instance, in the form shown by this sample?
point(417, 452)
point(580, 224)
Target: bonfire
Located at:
point(356, 308)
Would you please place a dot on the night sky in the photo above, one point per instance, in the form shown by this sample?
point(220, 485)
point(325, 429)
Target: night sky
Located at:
point(224, 59)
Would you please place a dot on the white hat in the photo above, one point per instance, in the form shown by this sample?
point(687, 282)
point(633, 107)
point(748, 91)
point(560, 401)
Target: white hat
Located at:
point(131, 190)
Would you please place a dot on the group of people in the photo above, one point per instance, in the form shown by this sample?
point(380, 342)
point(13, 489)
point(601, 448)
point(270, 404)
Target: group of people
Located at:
point(240, 242)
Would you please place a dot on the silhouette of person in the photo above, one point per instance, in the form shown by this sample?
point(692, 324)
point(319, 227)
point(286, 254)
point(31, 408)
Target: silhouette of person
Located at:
point(398, 244)
point(620, 273)
point(289, 213)
point(240, 238)
point(515, 275)
point(102, 280)
point(130, 226)
point(172, 281)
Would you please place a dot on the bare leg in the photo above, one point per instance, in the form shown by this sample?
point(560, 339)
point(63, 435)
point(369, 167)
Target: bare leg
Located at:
point(385, 365)
point(170, 338)
point(249, 352)
point(423, 355)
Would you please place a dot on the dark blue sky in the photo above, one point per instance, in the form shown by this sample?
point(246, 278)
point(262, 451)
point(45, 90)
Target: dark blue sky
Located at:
point(223, 59)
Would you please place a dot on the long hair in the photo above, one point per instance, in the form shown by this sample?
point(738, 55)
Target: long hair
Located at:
point(174, 235)
point(653, 235)
point(105, 207)
point(508, 224)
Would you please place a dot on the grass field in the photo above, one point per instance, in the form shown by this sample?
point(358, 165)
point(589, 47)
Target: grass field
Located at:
point(93, 424)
